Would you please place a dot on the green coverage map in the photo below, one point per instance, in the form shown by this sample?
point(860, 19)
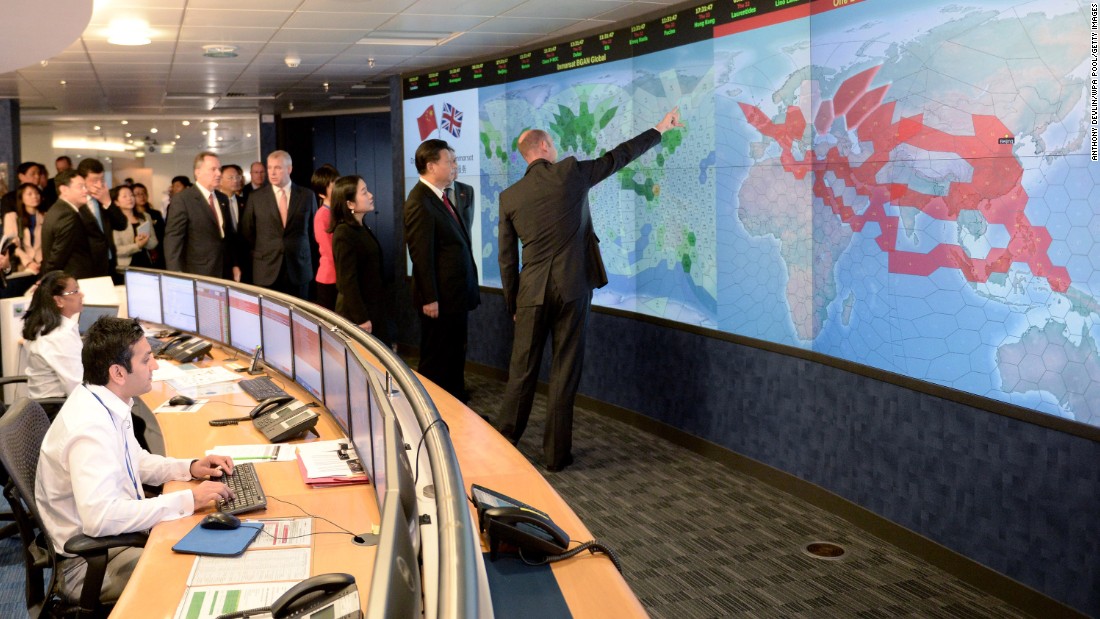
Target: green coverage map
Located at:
point(908, 188)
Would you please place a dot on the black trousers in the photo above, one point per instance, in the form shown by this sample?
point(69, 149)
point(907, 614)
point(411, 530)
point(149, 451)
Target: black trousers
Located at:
point(565, 323)
point(443, 351)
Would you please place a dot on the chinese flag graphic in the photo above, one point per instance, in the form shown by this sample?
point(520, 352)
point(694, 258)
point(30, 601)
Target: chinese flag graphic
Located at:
point(427, 122)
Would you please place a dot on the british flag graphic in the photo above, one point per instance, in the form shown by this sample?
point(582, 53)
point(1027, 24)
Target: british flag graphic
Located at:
point(452, 120)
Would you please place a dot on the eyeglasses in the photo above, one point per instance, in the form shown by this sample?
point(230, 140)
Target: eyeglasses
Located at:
point(71, 292)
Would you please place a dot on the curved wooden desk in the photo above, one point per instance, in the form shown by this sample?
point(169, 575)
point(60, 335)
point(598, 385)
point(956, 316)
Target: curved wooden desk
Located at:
point(590, 583)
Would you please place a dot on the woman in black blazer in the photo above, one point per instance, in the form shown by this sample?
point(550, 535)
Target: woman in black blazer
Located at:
point(357, 255)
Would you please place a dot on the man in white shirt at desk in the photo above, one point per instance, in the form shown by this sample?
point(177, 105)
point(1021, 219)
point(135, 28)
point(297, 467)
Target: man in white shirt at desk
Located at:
point(91, 469)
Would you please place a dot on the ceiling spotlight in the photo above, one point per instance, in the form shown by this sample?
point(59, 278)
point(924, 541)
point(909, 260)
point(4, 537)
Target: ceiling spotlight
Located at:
point(125, 122)
point(177, 136)
point(186, 123)
point(292, 61)
point(213, 125)
point(370, 63)
point(44, 63)
point(128, 134)
point(63, 83)
point(325, 86)
point(248, 135)
point(204, 133)
point(291, 106)
point(95, 128)
point(220, 138)
point(153, 130)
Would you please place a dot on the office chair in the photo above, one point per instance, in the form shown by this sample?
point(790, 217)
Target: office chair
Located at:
point(22, 430)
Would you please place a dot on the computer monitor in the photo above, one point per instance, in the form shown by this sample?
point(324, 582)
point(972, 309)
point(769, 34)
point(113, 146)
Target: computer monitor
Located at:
point(399, 474)
point(307, 354)
point(143, 296)
point(92, 313)
point(244, 321)
point(395, 586)
point(278, 346)
point(177, 301)
point(213, 311)
point(366, 441)
point(334, 361)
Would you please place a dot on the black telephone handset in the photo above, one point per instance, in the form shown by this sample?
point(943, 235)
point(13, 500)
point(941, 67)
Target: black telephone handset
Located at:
point(526, 529)
point(312, 594)
point(268, 405)
point(173, 343)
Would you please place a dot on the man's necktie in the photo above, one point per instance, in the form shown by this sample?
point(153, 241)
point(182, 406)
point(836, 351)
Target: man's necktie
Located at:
point(214, 210)
point(280, 194)
point(450, 209)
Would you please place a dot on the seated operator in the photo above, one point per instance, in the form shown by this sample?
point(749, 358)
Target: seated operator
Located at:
point(91, 468)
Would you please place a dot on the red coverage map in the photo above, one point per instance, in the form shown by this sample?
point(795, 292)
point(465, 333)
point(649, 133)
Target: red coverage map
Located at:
point(995, 189)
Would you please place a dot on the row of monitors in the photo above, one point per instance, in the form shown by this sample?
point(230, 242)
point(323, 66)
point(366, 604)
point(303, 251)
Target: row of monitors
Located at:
point(292, 342)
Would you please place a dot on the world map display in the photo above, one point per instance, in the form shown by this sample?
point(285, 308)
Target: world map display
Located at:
point(908, 187)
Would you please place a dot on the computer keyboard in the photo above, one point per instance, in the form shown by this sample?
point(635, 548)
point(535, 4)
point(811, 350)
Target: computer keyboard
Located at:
point(246, 485)
point(261, 388)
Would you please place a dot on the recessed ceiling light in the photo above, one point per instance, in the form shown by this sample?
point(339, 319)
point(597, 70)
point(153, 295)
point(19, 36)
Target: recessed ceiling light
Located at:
point(248, 135)
point(177, 136)
point(399, 37)
point(220, 138)
point(213, 125)
point(128, 134)
point(125, 122)
point(128, 32)
point(204, 133)
point(153, 130)
point(63, 82)
point(186, 123)
point(219, 51)
point(95, 128)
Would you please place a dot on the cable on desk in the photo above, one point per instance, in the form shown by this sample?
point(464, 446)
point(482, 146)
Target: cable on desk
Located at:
point(314, 516)
point(416, 475)
point(592, 546)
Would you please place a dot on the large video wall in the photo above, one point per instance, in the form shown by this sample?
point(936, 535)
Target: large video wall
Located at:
point(909, 186)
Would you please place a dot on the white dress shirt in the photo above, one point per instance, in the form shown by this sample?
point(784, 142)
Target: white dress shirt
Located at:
point(217, 208)
point(86, 484)
point(54, 368)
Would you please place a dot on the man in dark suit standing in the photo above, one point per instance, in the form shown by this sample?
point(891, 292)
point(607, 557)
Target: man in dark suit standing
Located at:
point(444, 273)
point(108, 217)
point(259, 179)
point(71, 239)
point(277, 224)
point(198, 234)
point(462, 198)
point(548, 211)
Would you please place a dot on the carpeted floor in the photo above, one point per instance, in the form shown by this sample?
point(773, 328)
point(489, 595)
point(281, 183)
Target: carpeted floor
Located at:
point(709, 541)
point(712, 542)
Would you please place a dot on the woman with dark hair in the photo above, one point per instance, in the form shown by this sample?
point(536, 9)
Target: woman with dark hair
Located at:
point(132, 241)
point(142, 208)
point(357, 255)
point(25, 224)
point(322, 182)
point(52, 338)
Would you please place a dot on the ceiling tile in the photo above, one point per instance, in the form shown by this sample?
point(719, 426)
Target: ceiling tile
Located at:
point(343, 21)
point(431, 23)
point(235, 17)
point(517, 25)
point(303, 35)
point(580, 9)
point(489, 8)
point(357, 6)
point(157, 18)
point(230, 33)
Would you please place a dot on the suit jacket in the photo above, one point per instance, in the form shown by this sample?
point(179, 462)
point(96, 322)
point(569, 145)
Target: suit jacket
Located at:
point(271, 243)
point(247, 191)
point(73, 242)
point(193, 242)
point(358, 259)
point(548, 211)
point(464, 204)
point(443, 265)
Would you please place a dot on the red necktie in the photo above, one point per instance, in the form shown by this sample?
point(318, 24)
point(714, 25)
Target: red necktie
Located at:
point(450, 209)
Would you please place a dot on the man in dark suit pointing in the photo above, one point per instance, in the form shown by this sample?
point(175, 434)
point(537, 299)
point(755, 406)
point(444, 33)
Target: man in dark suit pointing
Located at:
point(444, 273)
point(548, 211)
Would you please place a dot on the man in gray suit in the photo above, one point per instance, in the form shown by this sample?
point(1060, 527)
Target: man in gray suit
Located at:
point(548, 211)
point(277, 224)
point(198, 235)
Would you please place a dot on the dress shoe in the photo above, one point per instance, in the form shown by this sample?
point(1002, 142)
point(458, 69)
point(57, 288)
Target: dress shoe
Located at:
point(557, 468)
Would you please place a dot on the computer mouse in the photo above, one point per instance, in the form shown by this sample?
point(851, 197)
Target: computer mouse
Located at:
point(181, 400)
point(221, 521)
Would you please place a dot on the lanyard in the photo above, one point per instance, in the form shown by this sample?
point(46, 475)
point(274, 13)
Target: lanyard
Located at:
point(125, 449)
